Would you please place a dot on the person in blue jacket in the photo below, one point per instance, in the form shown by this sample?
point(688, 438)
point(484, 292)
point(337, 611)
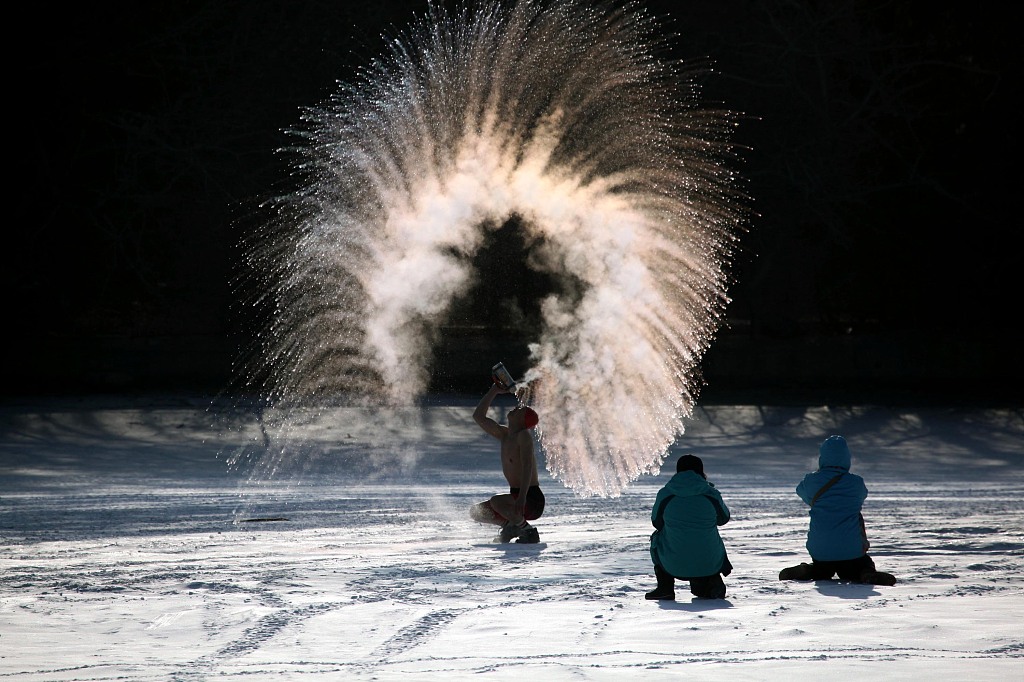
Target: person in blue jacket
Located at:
point(836, 539)
point(686, 545)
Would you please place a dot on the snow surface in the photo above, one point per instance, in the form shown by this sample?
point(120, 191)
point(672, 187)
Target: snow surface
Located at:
point(130, 549)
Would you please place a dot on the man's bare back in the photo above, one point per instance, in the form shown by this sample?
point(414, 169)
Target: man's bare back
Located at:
point(517, 459)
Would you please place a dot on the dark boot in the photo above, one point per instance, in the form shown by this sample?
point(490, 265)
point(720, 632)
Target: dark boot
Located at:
point(801, 572)
point(878, 578)
point(528, 534)
point(666, 589)
point(509, 531)
point(661, 594)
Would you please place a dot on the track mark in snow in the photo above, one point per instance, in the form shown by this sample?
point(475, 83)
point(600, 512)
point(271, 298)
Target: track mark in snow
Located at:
point(253, 638)
point(412, 635)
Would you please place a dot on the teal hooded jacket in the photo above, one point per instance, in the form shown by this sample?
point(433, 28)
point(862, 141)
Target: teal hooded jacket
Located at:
point(686, 514)
point(836, 532)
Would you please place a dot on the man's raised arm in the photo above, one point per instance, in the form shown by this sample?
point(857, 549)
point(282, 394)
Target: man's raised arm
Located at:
point(480, 413)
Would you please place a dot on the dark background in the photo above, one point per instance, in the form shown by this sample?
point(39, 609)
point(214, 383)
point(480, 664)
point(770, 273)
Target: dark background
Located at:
point(882, 154)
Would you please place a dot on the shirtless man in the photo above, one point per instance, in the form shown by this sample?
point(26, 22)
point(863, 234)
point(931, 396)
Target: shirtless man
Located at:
point(512, 510)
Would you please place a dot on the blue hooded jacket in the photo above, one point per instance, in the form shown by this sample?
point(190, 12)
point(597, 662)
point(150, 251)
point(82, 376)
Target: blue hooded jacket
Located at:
point(836, 532)
point(687, 513)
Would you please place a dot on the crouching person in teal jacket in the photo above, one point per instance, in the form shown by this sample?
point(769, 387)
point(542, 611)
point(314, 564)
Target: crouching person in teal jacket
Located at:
point(836, 539)
point(686, 545)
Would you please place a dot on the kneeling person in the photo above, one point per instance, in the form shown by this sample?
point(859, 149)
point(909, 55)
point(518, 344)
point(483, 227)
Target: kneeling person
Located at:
point(686, 544)
point(836, 539)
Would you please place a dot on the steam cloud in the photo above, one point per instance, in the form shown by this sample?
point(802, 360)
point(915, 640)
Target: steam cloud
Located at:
point(563, 114)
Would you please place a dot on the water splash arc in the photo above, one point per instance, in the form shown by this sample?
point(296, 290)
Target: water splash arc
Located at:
point(564, 114)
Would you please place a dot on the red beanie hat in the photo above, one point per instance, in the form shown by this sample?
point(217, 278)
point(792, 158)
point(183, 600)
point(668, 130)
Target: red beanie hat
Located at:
point(530, 417)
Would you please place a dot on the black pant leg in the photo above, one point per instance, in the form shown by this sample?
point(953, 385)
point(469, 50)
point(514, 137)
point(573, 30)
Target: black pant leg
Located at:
point(823, 570)
point(854, 569)
point(665, 579)
point(708, 587)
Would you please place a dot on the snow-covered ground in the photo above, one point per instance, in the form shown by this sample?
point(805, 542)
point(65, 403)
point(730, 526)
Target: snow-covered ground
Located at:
point(130, 549)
